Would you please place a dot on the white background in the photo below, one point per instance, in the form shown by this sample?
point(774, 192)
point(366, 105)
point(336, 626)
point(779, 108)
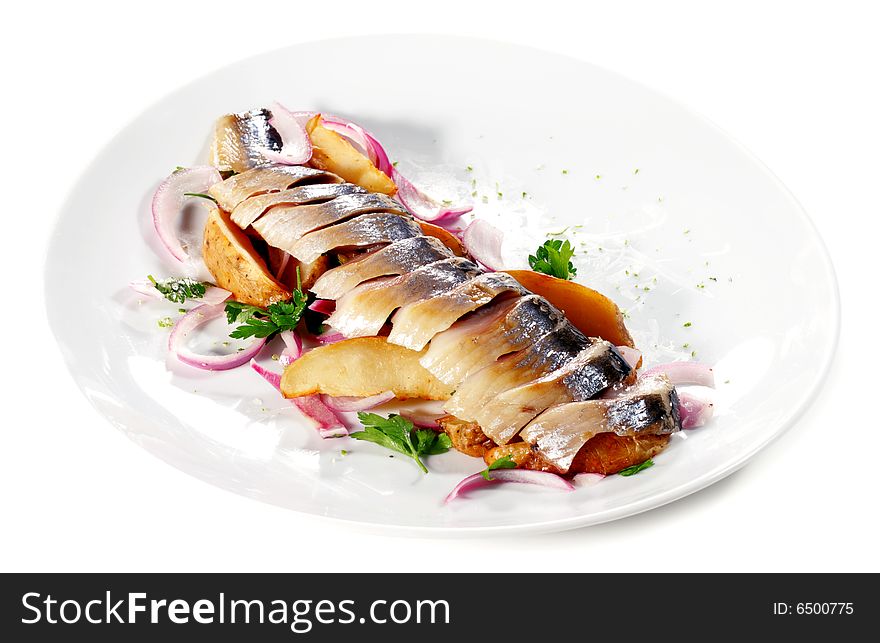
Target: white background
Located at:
point(796, 82)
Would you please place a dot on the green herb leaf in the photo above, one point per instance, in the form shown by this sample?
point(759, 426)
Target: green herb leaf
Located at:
point(179, 290)
point(397, 433)
point(501, 463)
point(201, 196)
point(254, 321)
point(238, 313)
point(554, 258)
point(633, 470)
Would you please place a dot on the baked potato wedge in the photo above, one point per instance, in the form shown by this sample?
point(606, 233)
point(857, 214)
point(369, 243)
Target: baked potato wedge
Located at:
point(467, 437)
point(445, 237)
point(360, 367)
point(236, 266)
point(333, 153)
point(592, 312)
point(605, 453)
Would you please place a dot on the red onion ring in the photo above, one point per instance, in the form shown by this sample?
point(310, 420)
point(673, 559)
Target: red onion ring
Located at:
point(422, 420)
point(293, 347)
point(681, 373)
point(483, 242)
point(284, 261)
point(525, 476)
point(360, 138)
point(588, 479)
point(213, 294)
point(329, 426)
point(423, 207)
point(693, 411)
point(296, 146)
point(169, 200)
point(323, 306)
point(346, 404)
point(331, 337)
point(193, 319)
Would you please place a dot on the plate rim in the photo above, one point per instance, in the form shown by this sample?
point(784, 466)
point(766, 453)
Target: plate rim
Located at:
point(654, 501)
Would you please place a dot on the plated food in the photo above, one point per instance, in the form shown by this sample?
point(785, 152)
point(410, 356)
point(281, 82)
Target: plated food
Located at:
point(381, 293)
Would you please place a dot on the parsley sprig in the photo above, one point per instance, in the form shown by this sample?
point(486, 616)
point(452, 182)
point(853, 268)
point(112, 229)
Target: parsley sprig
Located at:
point(554, 258)
point(254, 321)
point(264, 322)
point(397, 433)
point(633, 470)
point(501, 463)
point(179, 290)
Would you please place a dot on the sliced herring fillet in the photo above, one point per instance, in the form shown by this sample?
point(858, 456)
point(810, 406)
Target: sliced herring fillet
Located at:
point(365, 230)
point(251, 209)
point(394, 259)
point(282, 226)
point(364, 310)
point(479, 339)
point(261, 180)
point(650, 407)
point(593, 370)
point(551, 351)
point(416, 324)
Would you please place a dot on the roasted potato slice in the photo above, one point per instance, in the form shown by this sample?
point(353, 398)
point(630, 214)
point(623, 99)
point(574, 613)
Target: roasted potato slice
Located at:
point(592, 312)
point(333, 153)
point(522, 454)
point(605, 453)
point(466, 437)
point(361, 367)
point(445, 237)
point(609, 453)
point(230, 256)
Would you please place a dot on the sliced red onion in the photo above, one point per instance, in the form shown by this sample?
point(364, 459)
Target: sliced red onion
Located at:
point(681, 373)
point(296, 146)
point(323, 306)
point(169, 200)
point(360, 138)
point(423, 207)
point(293, 347)
point(190, 322)
point(329, 426)
point(330, 337)
point(693, 411)
point(525, 476)
point(346, 404)
point(588, 479)
point(285, 259)
point(213, 294)
point(422, 420)
point(483, 241)
point(631, 355)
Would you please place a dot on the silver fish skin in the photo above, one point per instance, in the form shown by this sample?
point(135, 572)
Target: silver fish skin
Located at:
point(262, 180)
point(366, 230)
point(478, 340)
point(416, 324)
point(650, 407)
point(251, 209)
point(394, 259)
point(364, 310)
point(595, 369)
point(282, 226)
point(559, 346)
point(240, 140)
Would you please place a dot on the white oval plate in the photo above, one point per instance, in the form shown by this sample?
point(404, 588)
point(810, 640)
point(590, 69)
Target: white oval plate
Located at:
point(659, 193)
